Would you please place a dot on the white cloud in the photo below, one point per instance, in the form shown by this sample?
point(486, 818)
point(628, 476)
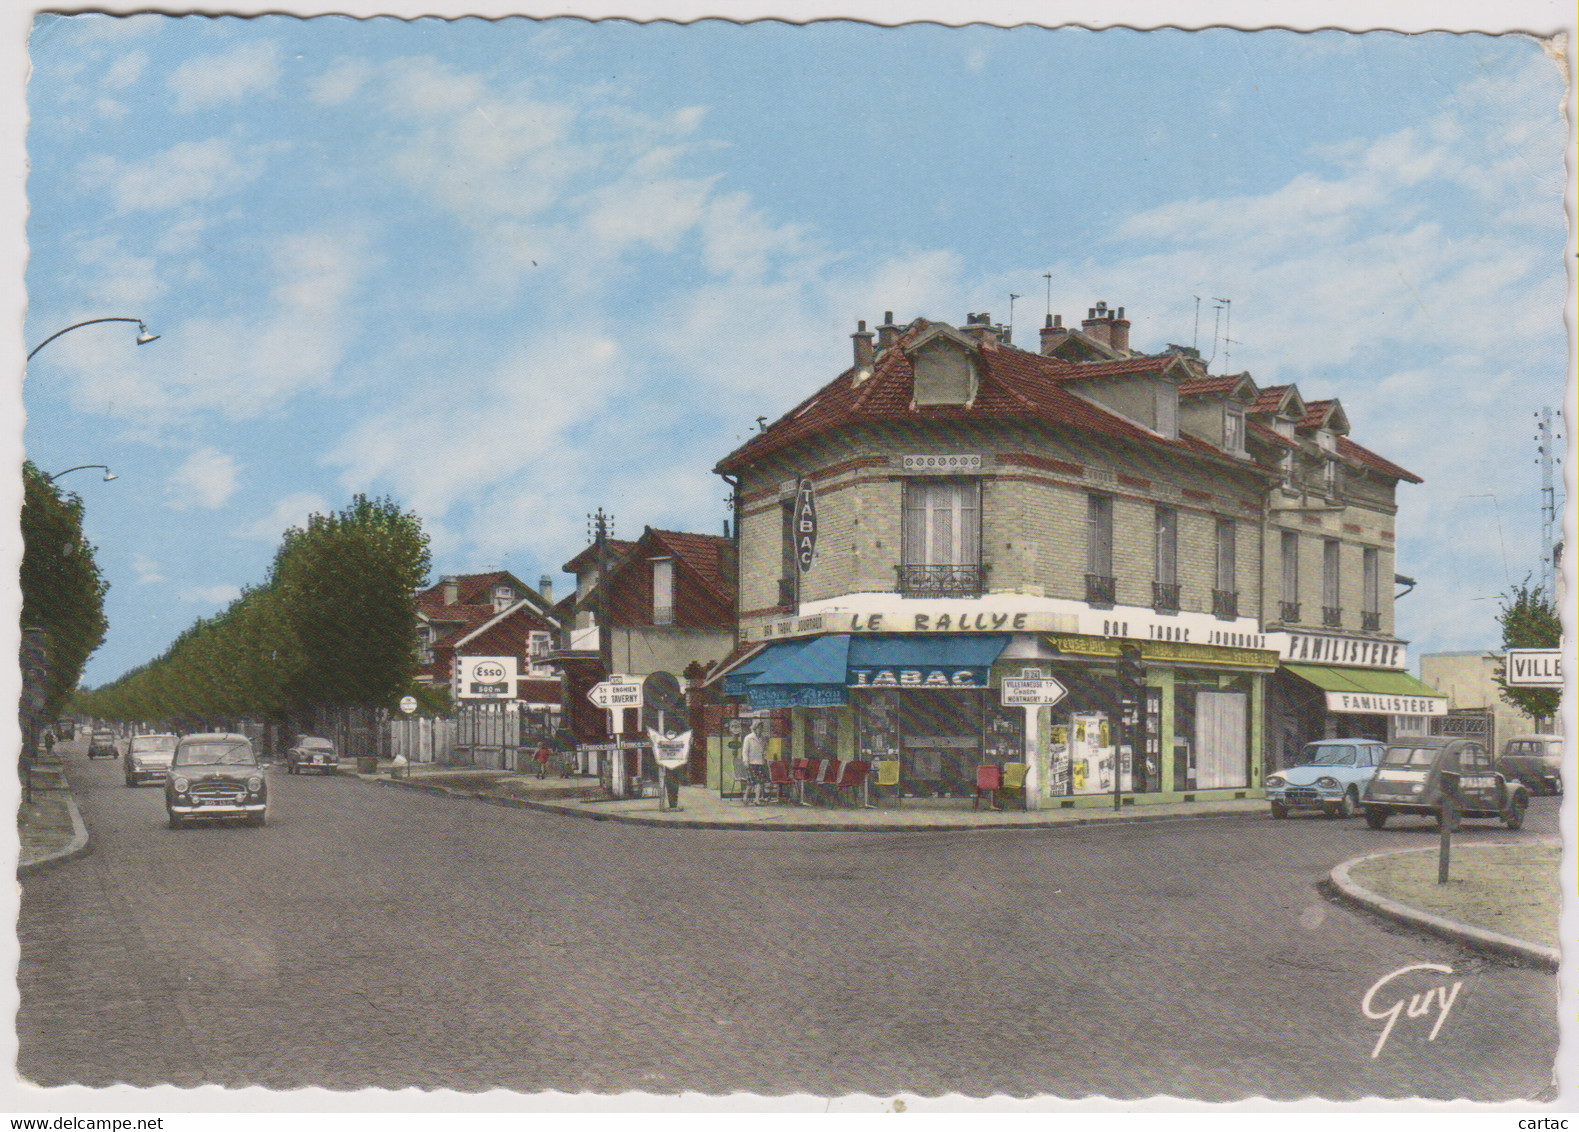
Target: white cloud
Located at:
point(210, 595)
point(291, 511)
point(125, 70)
point(207, 479)
point(111, 278)
point(147, 570)
point(340, 83)
point(210, 80)
point(186, 173)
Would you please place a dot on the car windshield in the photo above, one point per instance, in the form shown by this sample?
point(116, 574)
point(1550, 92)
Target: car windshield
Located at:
point(1328, 754)
point(1549, 747)
point(308, 743)
point(1410, 756)
point(153, 743)
point(216, 752)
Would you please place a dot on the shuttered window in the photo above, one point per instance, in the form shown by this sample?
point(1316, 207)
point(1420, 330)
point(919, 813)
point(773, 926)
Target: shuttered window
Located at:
point(1373, 580)
point(1227, 569)
point(1167, 546)
point(942, 523)
point(1290, 568)
point(1329, 574)
point(1099, 535)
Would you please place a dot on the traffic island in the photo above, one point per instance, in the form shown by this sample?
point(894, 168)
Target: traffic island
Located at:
point(50, 829)
point(1501, 898)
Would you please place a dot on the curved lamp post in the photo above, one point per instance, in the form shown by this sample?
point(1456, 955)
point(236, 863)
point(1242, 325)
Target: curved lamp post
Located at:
point(108, 475)
point(143, 337)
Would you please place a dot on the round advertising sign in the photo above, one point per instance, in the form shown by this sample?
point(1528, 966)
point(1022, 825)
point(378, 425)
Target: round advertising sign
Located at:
point(488, 672)
point(408, 704)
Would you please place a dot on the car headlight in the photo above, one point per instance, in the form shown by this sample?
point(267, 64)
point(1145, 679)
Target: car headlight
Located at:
point(1417, 787)
point(255, 783)
point(1276, 780)
point(1327, 781)
point(180, 785)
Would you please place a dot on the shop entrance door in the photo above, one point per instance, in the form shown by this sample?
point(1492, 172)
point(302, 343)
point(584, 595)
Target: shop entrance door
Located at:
point(940, 740)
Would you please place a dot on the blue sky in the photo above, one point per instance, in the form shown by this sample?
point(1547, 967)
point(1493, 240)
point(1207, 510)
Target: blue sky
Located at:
point(511, 271)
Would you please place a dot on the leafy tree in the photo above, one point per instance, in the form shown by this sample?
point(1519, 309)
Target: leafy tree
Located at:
point(62, 589)
point(1530, 620)
point(346, 583)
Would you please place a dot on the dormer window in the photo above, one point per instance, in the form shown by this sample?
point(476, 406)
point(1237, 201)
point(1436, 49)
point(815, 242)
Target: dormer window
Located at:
point(1168, 410)
point(1326, 440)
point(1284, 428)
point(1234, 431)
point(945, 375)
point(663, 591)
point(503, 598)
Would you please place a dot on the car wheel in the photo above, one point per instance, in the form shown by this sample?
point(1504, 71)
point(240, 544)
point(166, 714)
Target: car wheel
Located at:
point(1375, 817)
point(1349, 804)
point(257, 820)
point(1513, 816)
point(177, 822)
point(1279, 810)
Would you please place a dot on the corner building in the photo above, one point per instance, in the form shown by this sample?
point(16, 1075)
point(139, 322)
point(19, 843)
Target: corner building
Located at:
point(952, 512)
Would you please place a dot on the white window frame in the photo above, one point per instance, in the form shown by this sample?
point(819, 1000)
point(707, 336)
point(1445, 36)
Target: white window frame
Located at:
point(941, 523)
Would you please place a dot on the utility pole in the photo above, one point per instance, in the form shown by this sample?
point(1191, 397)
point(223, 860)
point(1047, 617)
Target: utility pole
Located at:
point(601, 525)
point(1547, 460)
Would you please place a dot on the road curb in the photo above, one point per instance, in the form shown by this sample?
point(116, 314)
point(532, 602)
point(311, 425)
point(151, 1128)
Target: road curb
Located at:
point(1482, 939)
point(78, 847)
point(794, 827)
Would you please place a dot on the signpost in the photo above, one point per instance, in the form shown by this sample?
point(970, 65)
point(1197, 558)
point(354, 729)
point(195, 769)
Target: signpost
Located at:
point(671, 752)
point(1031, 690)
point(408, 704)
point(1534, 668)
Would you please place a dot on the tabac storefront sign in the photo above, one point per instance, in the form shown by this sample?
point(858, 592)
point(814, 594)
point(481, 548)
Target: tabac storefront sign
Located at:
point(1169, 652)
point(919, 677)
point(805, 524)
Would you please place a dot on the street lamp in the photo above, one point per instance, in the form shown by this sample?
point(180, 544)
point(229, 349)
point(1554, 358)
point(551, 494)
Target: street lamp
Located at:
point(143, 337)
point(108, 475)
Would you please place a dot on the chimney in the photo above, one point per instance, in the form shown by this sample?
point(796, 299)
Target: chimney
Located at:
point(888, 333)
point(979, 327)
point(545, 586)
point(1118, 334)
point(452, 589)
point(864, 355)
point(1054, 333)
point(1098, 325)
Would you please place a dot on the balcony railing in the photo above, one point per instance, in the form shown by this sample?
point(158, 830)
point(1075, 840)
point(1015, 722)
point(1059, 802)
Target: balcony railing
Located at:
point(1331, 616)
point(1288, 611)
point(1225, 604)
point(787, 598)
point(1165, 597)
point(1101, 589)
point(942, 581)
point(1371, 622)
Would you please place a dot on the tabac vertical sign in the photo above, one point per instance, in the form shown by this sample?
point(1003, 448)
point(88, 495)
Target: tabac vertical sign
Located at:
point(805, 524)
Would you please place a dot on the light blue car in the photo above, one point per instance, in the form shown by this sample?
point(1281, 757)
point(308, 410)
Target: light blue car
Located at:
point(1331, 776)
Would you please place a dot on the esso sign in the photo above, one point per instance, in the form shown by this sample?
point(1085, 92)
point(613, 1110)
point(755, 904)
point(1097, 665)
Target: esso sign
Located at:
point(488, 671)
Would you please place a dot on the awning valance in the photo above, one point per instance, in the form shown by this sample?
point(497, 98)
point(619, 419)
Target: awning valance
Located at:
point(802, 673)
point(924, 660)
point(1370, 691)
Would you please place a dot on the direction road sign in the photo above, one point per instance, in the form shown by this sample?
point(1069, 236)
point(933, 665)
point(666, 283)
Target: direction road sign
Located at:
point(1031, 690)
point(617, 692)
point(1534, 668)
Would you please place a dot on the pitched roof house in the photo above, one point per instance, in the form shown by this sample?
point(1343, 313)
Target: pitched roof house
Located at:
point(493, 614)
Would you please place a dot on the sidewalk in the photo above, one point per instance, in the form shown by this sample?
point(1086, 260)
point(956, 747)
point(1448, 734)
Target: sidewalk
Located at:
point(1478, 899)
point(49, 829)
point(701, 808)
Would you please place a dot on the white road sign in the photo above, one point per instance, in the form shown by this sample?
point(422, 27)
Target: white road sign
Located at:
point(1031, 689)
point(1535, 668)
point(617, 692)
point(408, 704)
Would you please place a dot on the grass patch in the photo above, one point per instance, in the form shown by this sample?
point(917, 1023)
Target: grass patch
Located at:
point(1512, 889)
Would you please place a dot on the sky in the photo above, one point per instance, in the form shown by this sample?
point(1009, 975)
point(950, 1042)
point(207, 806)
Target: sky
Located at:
point(507, 272)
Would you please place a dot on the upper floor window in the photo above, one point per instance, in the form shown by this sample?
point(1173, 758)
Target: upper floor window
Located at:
point(1371, 610)
point(1289, 590)
point(424, 644)
point(1234, 431)
point(1165, 585)
point(1101, 588)
point(941, 539)
point(1331, 476)
point(503, 598)
point(1331, 584)
point(1168, 409)
point(538, 644)
point(789, 563)
point(663, 591)
point(1227, 547)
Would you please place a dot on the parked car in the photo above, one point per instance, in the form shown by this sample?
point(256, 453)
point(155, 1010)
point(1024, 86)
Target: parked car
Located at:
point(1331, 776)
point(102, 745)
point(66, 728)
point(148, 758)
point(1415, 773)
point(311, 753)
point(215, 775)
point(1536, 761)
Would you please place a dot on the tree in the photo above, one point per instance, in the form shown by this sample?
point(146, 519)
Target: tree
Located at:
point(1530, 620)
point(346, 583)
point(62, 589)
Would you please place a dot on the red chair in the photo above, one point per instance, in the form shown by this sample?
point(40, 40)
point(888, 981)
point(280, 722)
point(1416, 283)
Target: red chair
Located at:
point(852, 778)
point(780, 777)
point(827, 780)
point(803, 771)
point(989, 780)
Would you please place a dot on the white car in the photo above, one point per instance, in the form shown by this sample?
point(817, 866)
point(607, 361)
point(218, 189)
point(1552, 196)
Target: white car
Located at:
point(1332, 776)
point(148, 758)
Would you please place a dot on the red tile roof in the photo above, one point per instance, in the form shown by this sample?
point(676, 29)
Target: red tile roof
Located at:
point(1224, 383)
point(1270, 400)
point(618, 548)
point(1353, 451)
point(1270, 436)
point(705, 557)
point(1014, 384)
point(471, 589)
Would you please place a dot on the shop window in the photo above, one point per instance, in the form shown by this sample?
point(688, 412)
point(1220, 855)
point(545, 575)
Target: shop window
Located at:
point(1101, 586)
point(1210, 738)
point(941, 539)
point(1331, 591)
point(1289, 592)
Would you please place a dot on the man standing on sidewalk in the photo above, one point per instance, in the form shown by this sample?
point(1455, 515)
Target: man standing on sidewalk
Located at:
point(753, 754)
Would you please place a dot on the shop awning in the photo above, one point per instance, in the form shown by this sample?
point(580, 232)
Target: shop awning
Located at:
point(924, 660)
point(1369, 691)
point(802, 673)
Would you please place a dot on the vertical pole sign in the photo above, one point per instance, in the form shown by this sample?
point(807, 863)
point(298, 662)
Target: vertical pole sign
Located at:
point(1032, 691)
point(805, 524)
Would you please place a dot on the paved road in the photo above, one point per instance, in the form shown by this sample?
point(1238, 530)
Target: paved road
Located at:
point(370, 936)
